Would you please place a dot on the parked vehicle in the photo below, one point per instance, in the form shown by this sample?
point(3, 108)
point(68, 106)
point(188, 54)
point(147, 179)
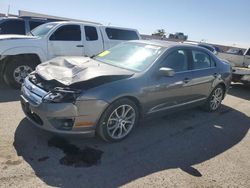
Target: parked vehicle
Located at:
point(214, 49)
point(210, 47)
point(240, 64)
point(108, 93)
point(178, 35)
point(20, 25)
point(236, 51)
point(20, 54)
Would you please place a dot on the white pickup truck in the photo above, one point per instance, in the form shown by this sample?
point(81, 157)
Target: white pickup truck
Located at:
point(240, 65)
point(20, 54)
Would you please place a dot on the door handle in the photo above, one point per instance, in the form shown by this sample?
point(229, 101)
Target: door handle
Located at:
point(186, 80)
point(79, 46)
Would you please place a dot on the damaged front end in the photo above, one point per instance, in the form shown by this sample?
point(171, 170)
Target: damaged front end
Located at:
point(52, 95)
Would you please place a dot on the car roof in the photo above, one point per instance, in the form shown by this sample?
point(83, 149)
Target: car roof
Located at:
point(165, 44)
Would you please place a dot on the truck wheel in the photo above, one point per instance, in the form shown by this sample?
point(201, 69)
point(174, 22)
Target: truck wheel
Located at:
point(16, 70)
point(118, 120)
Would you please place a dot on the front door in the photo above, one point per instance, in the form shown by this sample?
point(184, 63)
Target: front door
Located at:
point(167, 92)
point(66, 41)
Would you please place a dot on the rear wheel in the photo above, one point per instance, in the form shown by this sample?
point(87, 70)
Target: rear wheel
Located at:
point(16, 71)
point(118, 120)
point(214, 100)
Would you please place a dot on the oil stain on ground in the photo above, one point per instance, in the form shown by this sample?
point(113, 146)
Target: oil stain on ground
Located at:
point(74, 156)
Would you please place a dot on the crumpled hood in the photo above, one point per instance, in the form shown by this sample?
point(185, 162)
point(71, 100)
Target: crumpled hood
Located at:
point(7, 37)
point(71, 70)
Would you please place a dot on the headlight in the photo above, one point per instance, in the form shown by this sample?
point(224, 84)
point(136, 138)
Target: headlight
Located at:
point(61, 95)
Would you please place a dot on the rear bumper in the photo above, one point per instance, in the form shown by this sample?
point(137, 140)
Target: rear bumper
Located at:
point(241, 74)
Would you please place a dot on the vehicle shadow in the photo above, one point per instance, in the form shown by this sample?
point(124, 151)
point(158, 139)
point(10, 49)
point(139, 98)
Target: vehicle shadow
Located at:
point(8, 94)
point(178, 140)
point(240, 90)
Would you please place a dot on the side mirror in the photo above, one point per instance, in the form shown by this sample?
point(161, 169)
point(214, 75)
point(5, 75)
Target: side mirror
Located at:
point(164, 71)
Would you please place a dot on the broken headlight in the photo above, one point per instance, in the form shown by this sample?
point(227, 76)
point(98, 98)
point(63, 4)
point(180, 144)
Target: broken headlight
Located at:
point(61, 95)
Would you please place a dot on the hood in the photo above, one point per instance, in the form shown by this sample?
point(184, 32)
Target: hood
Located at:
point(72, 70)
point(7, 37)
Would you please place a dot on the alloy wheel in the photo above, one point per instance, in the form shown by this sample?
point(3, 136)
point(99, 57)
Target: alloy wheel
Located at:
point(121, 121)
point(21, 72)
point(216, 98)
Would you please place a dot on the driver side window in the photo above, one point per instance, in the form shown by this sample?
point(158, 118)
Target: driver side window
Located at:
point(177, 60)
point(67, 33)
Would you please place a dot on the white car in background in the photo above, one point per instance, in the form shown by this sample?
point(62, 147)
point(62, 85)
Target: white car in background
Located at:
point(20, 54)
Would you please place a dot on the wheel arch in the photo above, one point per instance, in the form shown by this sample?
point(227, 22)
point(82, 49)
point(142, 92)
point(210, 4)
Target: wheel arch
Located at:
point(133, 99)
point(31, 56)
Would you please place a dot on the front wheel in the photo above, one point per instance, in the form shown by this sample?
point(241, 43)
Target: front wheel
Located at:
point(118, 120)
point(214, 100)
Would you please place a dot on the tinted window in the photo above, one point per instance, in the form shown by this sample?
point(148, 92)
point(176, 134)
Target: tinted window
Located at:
point(34, 24)
point(201, 60)
point(177, 61)
point(119, 34)
point(13, 27)
point(67, 33)
point(90, 33)
point(248, 52)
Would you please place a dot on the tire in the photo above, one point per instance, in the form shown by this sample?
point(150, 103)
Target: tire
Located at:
point(16, 70)
point(110, 126)
point(213, 102)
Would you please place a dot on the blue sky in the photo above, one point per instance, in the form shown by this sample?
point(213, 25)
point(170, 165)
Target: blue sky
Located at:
point(216, 21)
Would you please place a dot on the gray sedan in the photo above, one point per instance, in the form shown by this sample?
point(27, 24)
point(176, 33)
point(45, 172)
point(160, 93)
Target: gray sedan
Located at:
point(107, 94)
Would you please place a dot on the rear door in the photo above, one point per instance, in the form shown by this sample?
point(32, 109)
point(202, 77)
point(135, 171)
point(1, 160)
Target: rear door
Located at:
point(92, 40)
point(204, 73)
point(66, 41)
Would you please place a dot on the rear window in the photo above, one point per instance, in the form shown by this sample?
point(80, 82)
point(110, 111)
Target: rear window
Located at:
point(120, 34)
point(201, 60)
point(12, 27)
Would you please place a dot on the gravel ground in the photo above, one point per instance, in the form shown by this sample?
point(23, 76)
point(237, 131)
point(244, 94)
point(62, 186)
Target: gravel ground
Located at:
point(186, 149)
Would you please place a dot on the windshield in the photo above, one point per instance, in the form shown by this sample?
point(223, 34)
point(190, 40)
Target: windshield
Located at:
point(133, 56)
point(43, 29)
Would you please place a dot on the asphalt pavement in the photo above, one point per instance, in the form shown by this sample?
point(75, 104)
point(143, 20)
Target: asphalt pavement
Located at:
point(190, 148)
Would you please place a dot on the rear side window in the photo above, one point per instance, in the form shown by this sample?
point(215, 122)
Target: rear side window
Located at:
point(201, 60)
point(177, 61)
point(120, 34)
point(67, 33)
point(12, 27)
point(34, 24)
point(90, 33)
